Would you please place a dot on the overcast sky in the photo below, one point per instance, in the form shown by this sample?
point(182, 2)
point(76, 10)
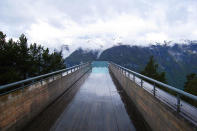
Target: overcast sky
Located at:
point(99, 23)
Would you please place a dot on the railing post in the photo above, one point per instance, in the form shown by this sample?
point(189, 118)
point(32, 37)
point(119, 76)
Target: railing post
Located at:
point(178, 103)
point(133, 77)
point(154, 89)
point(41, 81)
point(141, 83)
point(23, 86)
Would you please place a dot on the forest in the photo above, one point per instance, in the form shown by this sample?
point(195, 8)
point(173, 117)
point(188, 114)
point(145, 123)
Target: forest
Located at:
point(20, 60)
point(151, 70)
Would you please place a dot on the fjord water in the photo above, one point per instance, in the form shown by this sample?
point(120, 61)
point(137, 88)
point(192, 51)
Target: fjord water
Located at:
point(96, 106)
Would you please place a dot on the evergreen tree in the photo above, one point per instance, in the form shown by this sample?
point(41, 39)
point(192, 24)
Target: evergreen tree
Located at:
point(46, 63)
point(56, 57)
point(151, 70)
point(24, 56)
point(191, 84)
point(35, 59)
point(8, 60)
point(18, 61)
point(191, 87)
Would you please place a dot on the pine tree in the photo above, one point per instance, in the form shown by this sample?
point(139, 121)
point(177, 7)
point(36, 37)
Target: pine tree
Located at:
point(24, 61)
point(46, 62)
point(19, 61)
point(191, 84)
point(191, 87)
point(8, 60)
point(151, 70)
point(57, 61)
point(35, 53)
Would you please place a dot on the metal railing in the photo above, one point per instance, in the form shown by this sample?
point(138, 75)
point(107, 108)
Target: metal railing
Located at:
point(178, 92)
point(4, 89)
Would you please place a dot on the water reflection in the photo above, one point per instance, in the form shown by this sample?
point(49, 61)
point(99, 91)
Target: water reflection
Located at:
point(98, 103)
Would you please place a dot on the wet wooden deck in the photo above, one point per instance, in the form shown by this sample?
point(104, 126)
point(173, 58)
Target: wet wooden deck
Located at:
point(96, 105)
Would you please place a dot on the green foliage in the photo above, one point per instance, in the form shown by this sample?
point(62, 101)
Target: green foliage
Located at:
point(23, 56)
point(191, 84)
point(151, 70)
point(18, 61)
point(175, 66)
point(191, 87)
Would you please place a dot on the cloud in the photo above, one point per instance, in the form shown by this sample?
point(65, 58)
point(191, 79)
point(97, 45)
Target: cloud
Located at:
point(99, 24)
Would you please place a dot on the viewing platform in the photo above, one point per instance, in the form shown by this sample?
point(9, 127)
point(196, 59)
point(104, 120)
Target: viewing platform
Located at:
point(101, 96)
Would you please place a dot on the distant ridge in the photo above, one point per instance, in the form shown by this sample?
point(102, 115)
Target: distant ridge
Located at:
point(176, 60)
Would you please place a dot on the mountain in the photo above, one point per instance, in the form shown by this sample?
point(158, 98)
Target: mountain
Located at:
point(176, 60)
point(80, 56)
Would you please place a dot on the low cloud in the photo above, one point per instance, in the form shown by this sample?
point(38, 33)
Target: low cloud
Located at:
point(99, 24)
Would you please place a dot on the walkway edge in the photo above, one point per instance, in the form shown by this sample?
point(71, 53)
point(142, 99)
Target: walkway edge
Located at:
point(19, 107)
point(156, 114)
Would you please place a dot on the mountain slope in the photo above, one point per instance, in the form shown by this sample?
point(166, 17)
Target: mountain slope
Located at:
point(80, 56)
point(176, 60)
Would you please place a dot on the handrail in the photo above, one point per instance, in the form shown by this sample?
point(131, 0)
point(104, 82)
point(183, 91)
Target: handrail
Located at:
point(7, 86)
point(178, 91)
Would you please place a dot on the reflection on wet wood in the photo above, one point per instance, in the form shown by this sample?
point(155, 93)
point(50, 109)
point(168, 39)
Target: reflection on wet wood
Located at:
point(138, 120)
point(18, 108)
point(47, 118)
point(96, 106)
